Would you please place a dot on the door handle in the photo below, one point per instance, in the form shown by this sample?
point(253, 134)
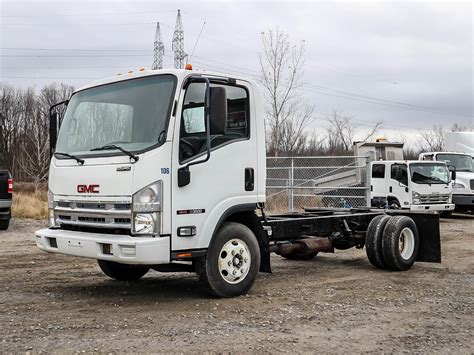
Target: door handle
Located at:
point(390, 188)
point(249, 179)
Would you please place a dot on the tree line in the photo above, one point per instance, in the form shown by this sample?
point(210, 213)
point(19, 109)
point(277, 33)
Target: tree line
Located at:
point(289, 116)
point(24, 129)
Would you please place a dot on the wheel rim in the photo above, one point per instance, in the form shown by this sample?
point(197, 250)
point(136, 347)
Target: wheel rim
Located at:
point(406, 243)
point(234, 261)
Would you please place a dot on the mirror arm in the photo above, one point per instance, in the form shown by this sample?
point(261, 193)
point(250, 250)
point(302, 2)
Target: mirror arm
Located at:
point(184, 175)
point(208, 126)
point(54, 127)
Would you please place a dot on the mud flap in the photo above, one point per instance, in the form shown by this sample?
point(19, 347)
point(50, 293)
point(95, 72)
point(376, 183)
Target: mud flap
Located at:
point(429, 234)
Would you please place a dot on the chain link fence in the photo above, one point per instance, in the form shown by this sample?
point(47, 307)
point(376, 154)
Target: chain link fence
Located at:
point(297, 182)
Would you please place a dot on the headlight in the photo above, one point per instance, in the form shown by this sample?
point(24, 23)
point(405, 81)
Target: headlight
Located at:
point(458, 185)
point(146, 208)
point(149, 198)
point(145, 223)
point(51, 204)
point(416, 198)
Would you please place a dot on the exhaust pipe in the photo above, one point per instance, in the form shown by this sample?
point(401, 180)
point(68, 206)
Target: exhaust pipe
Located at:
point(303, 246)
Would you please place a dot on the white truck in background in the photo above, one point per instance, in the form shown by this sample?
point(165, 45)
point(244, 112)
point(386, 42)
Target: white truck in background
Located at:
point(166, 169)
point(463, 187)
point(414, 185)
point(461, 142)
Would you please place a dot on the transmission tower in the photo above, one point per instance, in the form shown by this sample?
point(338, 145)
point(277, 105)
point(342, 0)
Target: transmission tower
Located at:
point(180, 57)
point(159, 49)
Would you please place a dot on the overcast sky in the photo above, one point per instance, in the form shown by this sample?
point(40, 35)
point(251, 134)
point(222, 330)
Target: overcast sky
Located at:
point(419, 54)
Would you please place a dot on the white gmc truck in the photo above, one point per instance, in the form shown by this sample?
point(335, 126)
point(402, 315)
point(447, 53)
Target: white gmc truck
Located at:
point(165, 170)
point(411, 184)
point(463, 165)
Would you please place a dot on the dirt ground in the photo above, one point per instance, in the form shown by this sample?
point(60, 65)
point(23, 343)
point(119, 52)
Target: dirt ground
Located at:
point(334, 303)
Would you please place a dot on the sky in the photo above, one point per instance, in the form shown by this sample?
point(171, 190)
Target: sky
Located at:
point(406, 64)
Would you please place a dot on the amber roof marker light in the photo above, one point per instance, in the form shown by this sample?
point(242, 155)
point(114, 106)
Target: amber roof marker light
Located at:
point(188, 66)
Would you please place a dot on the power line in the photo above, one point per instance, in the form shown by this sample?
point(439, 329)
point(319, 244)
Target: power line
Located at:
point(312, 88)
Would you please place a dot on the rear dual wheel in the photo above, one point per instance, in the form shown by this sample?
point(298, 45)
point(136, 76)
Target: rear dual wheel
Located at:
point(392, 242)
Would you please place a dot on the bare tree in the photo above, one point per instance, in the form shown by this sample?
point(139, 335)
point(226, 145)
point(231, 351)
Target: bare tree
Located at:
point(340, 134)
point(432, 140)
point(287, 111)
point(24, 128)
point(462, 127)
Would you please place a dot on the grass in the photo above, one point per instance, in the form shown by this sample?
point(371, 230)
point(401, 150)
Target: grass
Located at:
point(29, 202)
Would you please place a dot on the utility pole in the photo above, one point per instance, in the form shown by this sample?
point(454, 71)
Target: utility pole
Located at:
point(180, 57)
point(159, 49)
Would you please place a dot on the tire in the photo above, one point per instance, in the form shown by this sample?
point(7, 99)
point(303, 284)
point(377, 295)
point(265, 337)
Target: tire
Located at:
point(232, 261)
point(446, 214)
point(122, 272)
point(373, 241)
point(301, 256)
point(400, 243)
point(393, 204)
point(4, 225)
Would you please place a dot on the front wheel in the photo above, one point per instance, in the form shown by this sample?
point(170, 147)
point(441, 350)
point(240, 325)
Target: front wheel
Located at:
point(122, 272)
point(232, 261)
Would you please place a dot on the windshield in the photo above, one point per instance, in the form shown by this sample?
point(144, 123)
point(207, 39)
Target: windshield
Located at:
point(429, 173)
point(459, 161)
point(131, 114)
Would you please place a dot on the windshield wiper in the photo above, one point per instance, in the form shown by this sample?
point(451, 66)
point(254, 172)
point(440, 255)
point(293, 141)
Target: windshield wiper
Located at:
point(113, 146)
point(79, 160)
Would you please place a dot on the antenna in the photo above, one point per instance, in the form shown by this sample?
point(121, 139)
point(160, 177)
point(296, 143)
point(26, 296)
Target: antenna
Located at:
point(180, 56)
point(197, 40)
point(159, 49)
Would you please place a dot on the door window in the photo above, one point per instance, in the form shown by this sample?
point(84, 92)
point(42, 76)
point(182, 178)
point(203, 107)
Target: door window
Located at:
point(399, 173)
point(193, 124)
point(378, 171)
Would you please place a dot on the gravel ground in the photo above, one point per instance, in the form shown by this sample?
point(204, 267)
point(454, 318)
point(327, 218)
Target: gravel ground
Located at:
point(334, 303)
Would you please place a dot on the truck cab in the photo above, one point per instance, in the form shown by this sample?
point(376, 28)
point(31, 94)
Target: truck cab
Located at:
point(413, 185)
point(463, 187)
point(166, 169)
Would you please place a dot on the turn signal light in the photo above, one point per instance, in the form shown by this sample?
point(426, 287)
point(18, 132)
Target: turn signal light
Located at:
point(184, 255)
point(188, 66)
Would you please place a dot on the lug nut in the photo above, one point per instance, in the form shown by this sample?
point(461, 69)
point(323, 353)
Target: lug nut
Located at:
point(241, 251)
point(229, 263)
point(234, 272)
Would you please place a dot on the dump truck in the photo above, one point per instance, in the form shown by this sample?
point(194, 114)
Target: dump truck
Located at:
point(165, 170)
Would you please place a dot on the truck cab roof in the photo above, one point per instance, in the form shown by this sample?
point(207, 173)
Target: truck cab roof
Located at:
point(408, 162)
point(179, 73)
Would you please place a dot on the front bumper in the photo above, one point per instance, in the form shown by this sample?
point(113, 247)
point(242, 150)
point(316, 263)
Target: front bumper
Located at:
point(119, 248)
point(463, 200)
point(433, 207)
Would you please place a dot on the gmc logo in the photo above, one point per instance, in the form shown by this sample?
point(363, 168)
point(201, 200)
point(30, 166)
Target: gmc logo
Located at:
point(88, 189)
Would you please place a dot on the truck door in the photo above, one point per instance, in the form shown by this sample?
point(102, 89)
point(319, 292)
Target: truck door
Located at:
point(398, 184)
point(227, 180)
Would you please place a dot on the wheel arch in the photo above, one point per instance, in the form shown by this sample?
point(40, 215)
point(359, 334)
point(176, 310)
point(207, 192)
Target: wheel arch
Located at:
point(245, 214)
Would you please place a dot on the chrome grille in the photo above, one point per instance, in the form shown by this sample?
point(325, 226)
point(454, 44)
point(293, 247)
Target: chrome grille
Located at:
point(434, 198)
point(94, 214)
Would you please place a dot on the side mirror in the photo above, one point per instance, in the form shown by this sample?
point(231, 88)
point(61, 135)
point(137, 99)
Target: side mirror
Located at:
point(453, 175)
point(218, 110)
point(53, 131)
